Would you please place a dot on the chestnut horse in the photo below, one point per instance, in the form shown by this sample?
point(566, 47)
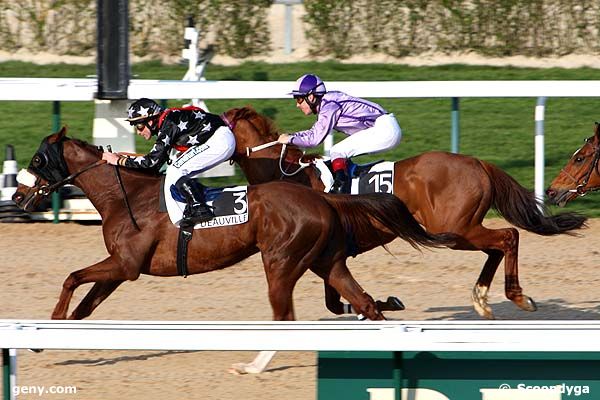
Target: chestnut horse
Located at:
point(445, 192)
point(580, 175)
point(295, 229)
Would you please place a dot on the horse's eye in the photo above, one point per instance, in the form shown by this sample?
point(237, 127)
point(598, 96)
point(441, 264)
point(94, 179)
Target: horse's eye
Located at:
point(579, 159)
point(39, 161)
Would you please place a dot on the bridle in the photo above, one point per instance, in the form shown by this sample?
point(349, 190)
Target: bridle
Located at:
point(39, 165)
point(45, 190)
point(581, 188)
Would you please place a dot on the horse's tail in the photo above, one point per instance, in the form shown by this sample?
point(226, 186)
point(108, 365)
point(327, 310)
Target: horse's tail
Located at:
point(520, 207)
point(357, 213)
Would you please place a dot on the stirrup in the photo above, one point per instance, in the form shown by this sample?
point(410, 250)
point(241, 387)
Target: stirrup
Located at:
point(336, 189)
point(197, 214)
point(339, 187)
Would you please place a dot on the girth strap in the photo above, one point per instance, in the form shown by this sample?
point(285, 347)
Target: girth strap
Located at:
point(185, 235)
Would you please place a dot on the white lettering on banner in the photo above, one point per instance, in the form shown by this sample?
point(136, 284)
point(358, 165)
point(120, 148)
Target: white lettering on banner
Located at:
point(503, 392)
point(382, 182)
point(223, 221)
point(240, 198)
point(405, 394)
point(382, 393)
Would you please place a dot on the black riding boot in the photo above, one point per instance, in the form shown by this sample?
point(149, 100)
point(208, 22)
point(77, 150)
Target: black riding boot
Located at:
point(341, 183)
point(196, 210)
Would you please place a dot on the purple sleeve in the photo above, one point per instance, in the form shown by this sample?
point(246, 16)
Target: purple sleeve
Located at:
point(326, 121)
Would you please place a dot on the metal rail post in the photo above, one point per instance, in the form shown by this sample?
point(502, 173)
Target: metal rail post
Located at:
point(540, 109)
point(9, 370)
point(55, 128)
point(455, 135)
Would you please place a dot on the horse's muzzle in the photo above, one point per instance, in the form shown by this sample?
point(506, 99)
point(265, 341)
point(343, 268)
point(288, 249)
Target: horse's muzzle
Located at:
point(558, 197)
point(20, 201)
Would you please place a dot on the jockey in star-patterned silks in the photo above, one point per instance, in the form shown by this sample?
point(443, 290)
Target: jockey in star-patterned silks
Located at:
point(191, 139)
point(370, 128)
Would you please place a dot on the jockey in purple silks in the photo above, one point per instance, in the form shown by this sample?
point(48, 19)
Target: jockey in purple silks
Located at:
point(370, 127)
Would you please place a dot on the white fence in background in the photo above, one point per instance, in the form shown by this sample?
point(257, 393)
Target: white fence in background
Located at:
point(58, 89)
point(84, 89)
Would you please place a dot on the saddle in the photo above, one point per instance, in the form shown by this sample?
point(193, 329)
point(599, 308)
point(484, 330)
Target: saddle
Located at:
point(230, 206)
point(373, 177)
point(355, 170)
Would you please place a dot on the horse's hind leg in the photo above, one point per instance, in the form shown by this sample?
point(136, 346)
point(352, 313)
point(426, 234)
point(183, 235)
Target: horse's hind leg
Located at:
point(333, 303)
point(97, 294)
point(340, 278)
point(498, 243)
point(479, 295)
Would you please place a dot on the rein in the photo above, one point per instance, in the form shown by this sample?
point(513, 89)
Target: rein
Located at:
point(301, 164)
point(249, 150)
point(581, 188)
point(125, 198)
point(45, 190)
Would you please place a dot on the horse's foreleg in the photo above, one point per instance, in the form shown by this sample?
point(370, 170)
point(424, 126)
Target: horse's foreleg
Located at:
point(97, 294)
point(282, 303)
point(513, 290)
point(104, 271)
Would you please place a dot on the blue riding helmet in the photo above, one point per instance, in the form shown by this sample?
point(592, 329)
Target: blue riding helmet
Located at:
point(142, 110)
point(309, 84)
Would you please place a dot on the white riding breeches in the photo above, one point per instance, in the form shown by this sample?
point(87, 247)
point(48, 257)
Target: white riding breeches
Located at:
point(197, 159)
point(194, 161)
point(384, 135)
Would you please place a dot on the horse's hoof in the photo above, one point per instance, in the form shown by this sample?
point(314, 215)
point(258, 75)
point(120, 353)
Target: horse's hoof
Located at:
point(483, 311)
point(527, 304)
point(480, 304)
point(243, 369)
point(394, 304)
point(391, 304)
point(36, 350)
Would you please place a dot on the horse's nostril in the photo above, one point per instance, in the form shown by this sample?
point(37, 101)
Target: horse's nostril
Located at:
point(17, 197)
point(551, 192)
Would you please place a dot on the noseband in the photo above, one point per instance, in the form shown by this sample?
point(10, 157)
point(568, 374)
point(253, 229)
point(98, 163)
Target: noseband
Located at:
point(581, 189)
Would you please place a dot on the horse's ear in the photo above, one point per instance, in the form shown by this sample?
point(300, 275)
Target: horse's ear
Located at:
point(597, 129)
point(58, 136)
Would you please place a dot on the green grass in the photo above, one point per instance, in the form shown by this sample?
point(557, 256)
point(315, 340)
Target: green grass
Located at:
point(497, 130)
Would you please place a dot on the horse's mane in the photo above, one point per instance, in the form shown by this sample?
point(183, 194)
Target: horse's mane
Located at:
point(267, 129)
point(265, 125)
point(97, 150)
point(88, 146)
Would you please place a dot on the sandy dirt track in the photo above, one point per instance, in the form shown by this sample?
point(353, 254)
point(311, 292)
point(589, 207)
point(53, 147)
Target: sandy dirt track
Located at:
point(560, 273)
